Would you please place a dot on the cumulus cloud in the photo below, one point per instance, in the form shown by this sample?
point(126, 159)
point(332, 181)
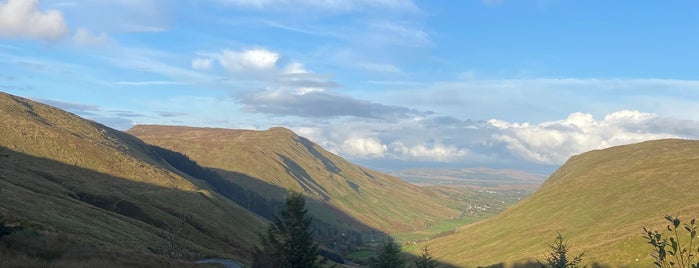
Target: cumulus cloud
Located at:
point(436, 152)
point(265, 65)
point(553, 142)
point(318, 104)
point(23, 19)
point(364, 147)
point(249, 61)
point(448, 140)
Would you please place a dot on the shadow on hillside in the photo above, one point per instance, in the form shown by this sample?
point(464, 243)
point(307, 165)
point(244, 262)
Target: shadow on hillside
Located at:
point(113, 213)
point(117, 214)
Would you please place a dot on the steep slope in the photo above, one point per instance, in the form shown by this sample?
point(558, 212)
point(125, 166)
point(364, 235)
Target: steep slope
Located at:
point(72, 176)
point(283, 160)
point(599, 201)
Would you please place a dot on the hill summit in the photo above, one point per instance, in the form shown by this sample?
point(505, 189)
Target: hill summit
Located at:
point(599, 201)
point(278, 159)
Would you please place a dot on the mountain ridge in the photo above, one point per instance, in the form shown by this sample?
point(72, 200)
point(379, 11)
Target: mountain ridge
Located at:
point(79, 175)
point(280, 157)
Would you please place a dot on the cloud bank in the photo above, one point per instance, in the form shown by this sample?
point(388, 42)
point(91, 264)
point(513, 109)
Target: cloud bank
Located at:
point(451, 140)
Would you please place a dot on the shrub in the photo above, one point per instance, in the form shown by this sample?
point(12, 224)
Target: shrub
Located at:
point(672, 252)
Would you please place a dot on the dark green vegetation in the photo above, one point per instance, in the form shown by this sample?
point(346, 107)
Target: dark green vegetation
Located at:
point(425, 260)
point(558, 257)
point(600, 200)
point(388, 256)
point(678, 250)
point(288, 241)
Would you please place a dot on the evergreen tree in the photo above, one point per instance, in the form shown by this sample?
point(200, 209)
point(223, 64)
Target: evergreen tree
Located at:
point(558, 256)
point(389, 256)
point(288, 242)
point(426, 260)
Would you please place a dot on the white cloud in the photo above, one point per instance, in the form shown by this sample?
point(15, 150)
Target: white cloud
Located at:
point(201, 63)
point(364, 147)
point(553, 142)
point(84, 37)
point(253, 59)
point(437, 152)
point(495, 143)
point(22, 18)
point(308, 90)
point(268, 67)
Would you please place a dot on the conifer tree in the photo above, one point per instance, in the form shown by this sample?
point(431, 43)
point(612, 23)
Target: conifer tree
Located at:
point(558, 256)
point(389, 256)
point(425, 260)
point(288, 242)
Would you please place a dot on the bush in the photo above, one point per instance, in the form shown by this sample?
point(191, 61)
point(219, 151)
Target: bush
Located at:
point(672, 252)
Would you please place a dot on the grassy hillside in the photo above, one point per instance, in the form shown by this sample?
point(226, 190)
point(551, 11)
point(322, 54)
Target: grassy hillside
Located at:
point(599, 201)
point(106, 190)
point(278, 159)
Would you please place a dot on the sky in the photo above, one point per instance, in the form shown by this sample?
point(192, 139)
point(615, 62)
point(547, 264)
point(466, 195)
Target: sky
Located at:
point(389, 84)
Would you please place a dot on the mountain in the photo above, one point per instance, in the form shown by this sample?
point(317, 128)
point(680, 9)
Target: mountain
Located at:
point(599, 201)
point(103, 190)
point(269, 162)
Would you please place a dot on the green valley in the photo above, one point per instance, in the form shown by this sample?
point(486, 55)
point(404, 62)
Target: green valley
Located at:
point(79, 194)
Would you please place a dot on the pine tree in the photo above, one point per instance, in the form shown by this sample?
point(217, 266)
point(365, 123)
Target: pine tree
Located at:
point(389, 256)
point(558, 256)
point(288, 241)
point(426, 260)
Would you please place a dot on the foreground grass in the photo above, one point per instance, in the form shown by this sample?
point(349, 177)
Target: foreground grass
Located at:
point(31, 248)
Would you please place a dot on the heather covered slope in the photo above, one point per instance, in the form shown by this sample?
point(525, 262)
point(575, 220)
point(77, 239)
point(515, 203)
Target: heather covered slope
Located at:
point(107, 188)
point(598, 200)
point(281, 158)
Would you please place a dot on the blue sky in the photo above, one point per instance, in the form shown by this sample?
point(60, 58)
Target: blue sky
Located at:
point(389, 84)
